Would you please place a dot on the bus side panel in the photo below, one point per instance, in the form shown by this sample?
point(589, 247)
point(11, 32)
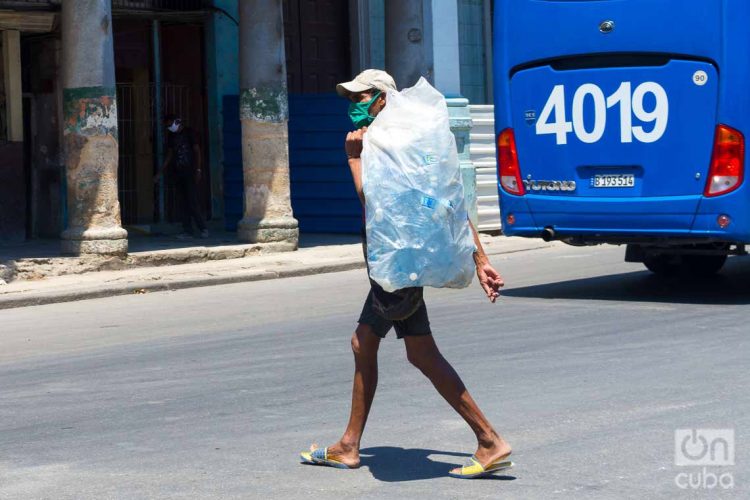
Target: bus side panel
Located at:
point(734, 110)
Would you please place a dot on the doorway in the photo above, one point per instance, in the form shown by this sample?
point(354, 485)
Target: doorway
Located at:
point(13, 171)
point(143, 99)
point(317, 43)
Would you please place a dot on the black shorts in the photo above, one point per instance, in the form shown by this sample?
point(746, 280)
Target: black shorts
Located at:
point(415, 324)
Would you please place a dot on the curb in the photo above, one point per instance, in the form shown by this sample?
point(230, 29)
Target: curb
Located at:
point(50, 267)
point(178, 284)
point(54, 297)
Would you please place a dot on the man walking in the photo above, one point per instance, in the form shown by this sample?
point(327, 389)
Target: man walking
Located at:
point(404, 311)
point(184, 158)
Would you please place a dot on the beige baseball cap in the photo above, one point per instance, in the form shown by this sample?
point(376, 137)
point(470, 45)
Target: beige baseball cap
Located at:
point(367, 80)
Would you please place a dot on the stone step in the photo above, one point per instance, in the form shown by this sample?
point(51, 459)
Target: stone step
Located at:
point(482, 149)
point(482, 111)
point(483, 140)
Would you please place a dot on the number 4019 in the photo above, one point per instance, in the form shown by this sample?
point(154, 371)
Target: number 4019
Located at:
point(630, 102)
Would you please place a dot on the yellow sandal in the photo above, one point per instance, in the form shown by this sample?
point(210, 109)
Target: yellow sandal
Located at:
point(476, 469)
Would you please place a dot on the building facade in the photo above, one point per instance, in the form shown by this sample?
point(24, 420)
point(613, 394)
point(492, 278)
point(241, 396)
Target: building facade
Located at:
point(80, 110)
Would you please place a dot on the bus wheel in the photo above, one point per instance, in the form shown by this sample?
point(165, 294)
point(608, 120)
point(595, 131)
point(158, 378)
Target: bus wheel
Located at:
point(663, 265)
point(703, 265)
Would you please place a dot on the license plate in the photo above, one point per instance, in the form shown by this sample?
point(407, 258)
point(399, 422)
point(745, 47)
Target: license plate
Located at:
point(613, 181)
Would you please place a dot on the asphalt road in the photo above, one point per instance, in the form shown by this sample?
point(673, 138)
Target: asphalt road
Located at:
point(587, 365)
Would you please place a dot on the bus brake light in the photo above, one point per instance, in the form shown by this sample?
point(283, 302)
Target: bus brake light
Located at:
point(727, 162)
point(507, 163)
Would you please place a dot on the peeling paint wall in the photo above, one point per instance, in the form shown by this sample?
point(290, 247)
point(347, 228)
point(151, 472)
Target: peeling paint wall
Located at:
point(90, 111)
point(264, 113)
point(265, 104)
point(90, 132)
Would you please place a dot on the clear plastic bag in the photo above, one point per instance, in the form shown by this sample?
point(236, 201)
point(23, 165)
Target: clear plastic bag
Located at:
point(416, 219)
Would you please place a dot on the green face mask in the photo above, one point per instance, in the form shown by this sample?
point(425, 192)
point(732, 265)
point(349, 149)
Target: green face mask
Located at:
point(359, 112)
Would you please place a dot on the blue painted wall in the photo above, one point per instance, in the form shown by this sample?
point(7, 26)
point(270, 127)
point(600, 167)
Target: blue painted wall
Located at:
point(323, 195)
point(222, 79)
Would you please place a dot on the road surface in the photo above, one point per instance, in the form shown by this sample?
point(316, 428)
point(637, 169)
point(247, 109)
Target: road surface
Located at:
point(588, 366)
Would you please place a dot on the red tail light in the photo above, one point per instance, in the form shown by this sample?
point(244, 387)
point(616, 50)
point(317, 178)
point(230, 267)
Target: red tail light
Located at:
point(727, 162)
point(507, 163)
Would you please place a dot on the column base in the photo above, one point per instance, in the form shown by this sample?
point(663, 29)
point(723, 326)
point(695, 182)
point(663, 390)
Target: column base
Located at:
point(112, 241)
point(254, 230)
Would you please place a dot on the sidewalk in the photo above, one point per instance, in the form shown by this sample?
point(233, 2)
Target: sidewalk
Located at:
point(240, 264)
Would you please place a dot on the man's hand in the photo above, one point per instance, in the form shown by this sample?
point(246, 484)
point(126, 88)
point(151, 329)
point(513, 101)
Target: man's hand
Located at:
point(353, 145)
point(490, 280)
point(198, 176)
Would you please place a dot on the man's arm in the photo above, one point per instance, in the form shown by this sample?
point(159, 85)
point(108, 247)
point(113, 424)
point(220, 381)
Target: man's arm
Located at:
point(198, 161)
point(167, 162)
point(353, 148)
point(489, 278)
point(355, 166)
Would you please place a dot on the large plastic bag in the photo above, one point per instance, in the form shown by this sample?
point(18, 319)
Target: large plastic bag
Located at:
point(416, 219)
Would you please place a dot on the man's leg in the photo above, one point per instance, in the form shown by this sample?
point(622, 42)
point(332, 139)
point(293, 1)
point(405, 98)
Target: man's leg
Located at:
point(193, 205)
point(365, 344)
point(183, 196)
point(423, 353)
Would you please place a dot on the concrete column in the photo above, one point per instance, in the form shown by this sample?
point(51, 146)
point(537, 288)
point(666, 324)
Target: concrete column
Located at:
point(422, 40)
point(445, 53)
point(448, 81)
point(90, 130)
point(408, 33)
point(264, 112)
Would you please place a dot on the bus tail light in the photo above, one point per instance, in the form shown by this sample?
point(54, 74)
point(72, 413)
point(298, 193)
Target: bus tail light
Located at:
point(727, 162)
point(507, 163)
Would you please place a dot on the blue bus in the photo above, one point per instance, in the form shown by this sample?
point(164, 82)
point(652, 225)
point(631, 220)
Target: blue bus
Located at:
point(622, 122)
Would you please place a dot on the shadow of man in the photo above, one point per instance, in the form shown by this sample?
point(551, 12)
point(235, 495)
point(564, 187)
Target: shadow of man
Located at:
point(393, 464)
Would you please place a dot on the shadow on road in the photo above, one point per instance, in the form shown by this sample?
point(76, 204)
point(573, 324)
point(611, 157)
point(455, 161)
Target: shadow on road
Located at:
point(730, 287)
point(392, 464)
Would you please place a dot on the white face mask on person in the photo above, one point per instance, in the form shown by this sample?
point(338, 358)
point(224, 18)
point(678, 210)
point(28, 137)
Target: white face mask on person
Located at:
point(175, 126)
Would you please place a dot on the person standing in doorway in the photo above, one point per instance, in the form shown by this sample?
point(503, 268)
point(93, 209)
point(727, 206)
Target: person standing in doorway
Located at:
point(184, 160)
point(405, 311)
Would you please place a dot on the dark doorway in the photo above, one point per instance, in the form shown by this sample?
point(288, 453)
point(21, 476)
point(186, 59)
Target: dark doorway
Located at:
point(181, 92)
point(184, 94)
point(317, 44)
point(133, 61)
point(13, 172)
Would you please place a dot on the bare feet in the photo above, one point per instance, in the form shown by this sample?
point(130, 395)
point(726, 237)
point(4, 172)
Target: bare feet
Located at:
point(491, 450)
point(341, 452)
